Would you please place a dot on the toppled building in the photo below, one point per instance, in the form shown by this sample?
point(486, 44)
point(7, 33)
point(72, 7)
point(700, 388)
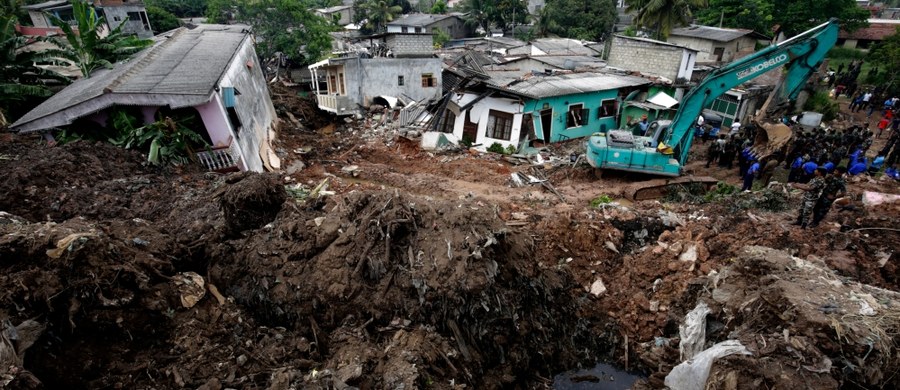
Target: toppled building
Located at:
point(715, 44)
point(132, 15)
point(210, 72)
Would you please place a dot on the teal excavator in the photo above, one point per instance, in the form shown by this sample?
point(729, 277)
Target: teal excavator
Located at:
point(664, 151)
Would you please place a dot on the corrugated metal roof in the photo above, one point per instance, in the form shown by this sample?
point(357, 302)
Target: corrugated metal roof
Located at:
point(46, 4)
point(573, 83)
point(653, 41)
point(570, 62)
point(553, 46)
point(333, 9)
point(710, 33)
point(419, 20)
point(189, 62)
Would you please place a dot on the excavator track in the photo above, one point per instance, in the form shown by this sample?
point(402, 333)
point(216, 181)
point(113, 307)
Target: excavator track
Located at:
point(658, 188)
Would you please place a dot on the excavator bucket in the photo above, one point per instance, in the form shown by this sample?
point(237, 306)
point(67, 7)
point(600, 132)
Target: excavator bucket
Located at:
point(658, 188)
point(770, 138)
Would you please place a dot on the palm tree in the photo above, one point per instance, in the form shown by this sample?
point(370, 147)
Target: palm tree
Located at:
point(380, 13)
point(663, 15)
point(86, 48)
point(478, 13)
point(20, 76)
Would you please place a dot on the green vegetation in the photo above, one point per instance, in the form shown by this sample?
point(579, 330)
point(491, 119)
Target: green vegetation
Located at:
point(793, 16)
point(162, 20)
point(439, 7)
point(661, 16)
point(378, 13)
point(439, 38)
point(21, 77)
point(887, 56)
point(587, 20)
point(281, 26)
point(166, 141)
point(179, 8)
point(86, 47)
point(729, 196)
point(496, 148)
point(601, 200)
point(820, 102)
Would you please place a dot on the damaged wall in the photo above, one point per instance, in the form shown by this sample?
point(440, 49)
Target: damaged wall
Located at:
point(372, 77)
point(252, 104)
point(560, 106)
point(479, 114)
point(652, 57)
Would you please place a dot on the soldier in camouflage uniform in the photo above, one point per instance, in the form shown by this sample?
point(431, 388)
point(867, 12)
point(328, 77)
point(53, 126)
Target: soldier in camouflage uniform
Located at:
point(835, 187)
point(813, 191)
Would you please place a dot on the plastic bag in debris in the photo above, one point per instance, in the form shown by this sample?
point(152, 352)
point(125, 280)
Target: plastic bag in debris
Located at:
point(693, 331)
point(692, 374)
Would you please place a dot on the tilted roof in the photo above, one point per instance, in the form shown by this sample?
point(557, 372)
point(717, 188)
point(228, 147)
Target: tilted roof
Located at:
point(180, 70)
point(414, 20)
point(46, 4)
point(540, 86)
point(710, 33)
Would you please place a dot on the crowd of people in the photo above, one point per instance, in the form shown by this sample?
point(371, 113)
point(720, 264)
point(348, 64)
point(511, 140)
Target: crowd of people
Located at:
point(818, 160)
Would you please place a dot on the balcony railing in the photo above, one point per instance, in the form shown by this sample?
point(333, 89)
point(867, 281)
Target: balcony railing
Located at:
point(338, 104)
point(221, 159)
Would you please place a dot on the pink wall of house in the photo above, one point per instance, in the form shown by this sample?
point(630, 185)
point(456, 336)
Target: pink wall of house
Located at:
point(216, 121)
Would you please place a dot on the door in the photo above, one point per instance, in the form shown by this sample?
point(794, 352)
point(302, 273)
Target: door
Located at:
point(547, 124)
point(718, 52)
point(470, 129)
point(527, 131)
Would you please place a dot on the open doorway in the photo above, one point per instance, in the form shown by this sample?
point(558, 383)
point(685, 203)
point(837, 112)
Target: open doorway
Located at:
point(547, 124)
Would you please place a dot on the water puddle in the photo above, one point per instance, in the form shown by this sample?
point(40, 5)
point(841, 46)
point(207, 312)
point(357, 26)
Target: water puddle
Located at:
point(600, 377)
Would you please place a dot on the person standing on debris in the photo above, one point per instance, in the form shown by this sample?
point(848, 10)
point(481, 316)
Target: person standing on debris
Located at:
point(735, 127)
point(712, 153)
point(809, 170)
point(699, 131)
point(867, 98)
point(768, 169)
point(813, 191)
point(750, 175)
point(835, 187)
point(796, 170)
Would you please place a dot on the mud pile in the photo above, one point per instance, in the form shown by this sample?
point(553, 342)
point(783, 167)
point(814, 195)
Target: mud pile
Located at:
point(369, 289)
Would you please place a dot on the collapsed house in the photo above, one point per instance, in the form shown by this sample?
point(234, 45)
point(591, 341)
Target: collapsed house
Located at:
point(384, 69)
point(211, 72)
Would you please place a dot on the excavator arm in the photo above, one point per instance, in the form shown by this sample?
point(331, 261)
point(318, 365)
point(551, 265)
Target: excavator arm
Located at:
point(666, 151)
point(802, 54)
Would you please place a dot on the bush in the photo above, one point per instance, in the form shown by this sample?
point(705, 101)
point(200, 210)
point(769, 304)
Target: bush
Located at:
point(602, 199)
point(496, 148)
point(846, 53)
point(820, 102)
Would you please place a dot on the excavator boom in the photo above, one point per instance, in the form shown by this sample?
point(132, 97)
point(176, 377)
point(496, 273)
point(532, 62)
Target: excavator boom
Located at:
point(665, 150)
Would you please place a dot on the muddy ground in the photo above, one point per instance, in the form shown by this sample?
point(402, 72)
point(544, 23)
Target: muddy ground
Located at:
point(414, 269)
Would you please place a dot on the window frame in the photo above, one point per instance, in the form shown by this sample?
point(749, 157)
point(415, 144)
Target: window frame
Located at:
point(499, 121)
point(603, 103)
point(428, 80)
point(400, 81)
point(579, 118)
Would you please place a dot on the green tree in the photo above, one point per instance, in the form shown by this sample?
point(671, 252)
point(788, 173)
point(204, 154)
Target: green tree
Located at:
point(756, 15)
point(162, 20)
point(886, 55)
point(792, 16)
point(797, 16)
point(662, 16)
point(179, 8)
point(578, 19)
point(478, 13)
point(220, 11)
point(379, 13)
point(21, 77)
point(286, 26)
point(14, 8)
point(506, 14)
point(439, 7)
point(86, 48)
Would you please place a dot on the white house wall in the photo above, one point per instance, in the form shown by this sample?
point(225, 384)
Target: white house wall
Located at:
point(478, 114)
point(253, 105)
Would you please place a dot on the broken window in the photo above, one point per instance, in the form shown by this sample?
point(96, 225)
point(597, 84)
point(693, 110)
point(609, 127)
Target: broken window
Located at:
point(447, 121)
point(499, 125)
point(145, 20)
point(577, 117)
point(134, 16)
point(235, 121)
point(428, 80)
point(400, 80)
point(607, 109)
